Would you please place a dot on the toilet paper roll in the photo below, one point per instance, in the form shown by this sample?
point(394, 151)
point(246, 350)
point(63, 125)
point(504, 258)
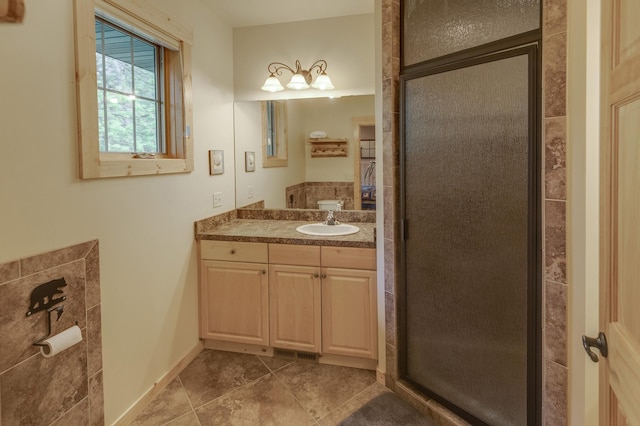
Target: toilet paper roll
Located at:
point(61, 341)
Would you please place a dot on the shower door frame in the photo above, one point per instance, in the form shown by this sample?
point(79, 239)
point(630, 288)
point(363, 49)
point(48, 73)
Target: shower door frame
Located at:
point(528, 43)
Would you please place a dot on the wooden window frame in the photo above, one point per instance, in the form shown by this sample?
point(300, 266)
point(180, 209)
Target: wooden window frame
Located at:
point(140, 16)
point(282, 144)
point(11, 11)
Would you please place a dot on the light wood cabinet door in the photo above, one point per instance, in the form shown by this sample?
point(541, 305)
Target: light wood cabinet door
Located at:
point(349, 312)
point(234, 302)
point(295, 307)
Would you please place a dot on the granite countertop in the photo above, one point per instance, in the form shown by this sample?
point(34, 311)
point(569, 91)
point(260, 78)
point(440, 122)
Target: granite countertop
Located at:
point(284, 232)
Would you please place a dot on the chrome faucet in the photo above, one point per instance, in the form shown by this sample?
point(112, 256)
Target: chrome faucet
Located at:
point(331, 219)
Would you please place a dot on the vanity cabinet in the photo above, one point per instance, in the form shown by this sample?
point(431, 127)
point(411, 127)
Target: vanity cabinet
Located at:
point(296, 297)
point(234, 292)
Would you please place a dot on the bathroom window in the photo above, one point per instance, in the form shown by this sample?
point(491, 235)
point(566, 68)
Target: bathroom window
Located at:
point(270, 127)
point(367, 149)
point(130, 98)
point(274, 134)
point(134, 117)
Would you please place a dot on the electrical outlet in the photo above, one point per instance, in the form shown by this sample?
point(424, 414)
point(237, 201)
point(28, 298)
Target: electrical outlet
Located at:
point(250, 191)
point(217, 199)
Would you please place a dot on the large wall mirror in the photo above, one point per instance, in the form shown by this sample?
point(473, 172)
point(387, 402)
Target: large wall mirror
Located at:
point(339, 166)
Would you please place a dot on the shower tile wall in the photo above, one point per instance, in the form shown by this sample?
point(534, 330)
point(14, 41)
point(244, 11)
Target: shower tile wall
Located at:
point(555, 291)
point(555, 371)
point(296, 196)
point(391, 187)
point(66, 388)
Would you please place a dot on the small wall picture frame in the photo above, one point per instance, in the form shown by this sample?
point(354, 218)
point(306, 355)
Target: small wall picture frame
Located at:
point(216, 162)
point(249, 161)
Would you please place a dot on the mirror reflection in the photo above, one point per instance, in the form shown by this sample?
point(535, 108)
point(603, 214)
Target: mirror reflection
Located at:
point(309, 153)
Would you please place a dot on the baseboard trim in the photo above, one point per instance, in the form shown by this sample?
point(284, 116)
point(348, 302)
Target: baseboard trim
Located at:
point(243, 348)
point(348, 361)
point(157, 387)
point(267, 351)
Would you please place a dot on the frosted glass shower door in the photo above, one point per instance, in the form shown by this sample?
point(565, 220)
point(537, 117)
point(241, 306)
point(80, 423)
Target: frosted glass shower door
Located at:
point(468, 183)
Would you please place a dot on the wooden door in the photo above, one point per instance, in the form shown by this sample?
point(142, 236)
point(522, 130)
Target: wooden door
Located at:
point(294, 301)
point(235, 302)
point(620, 212)
point(349, 312)
point(360, 134)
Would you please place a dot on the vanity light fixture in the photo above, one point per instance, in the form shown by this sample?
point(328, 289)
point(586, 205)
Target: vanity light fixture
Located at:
point(301, 79)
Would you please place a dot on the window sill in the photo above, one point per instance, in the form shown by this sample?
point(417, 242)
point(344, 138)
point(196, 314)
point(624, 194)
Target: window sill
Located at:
point(116, 166)
point(275, 162)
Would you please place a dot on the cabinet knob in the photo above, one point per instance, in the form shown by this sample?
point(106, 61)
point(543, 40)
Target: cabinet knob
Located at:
point(316, 275)
point(264, 271)
point(232, 251)
point(324, 275)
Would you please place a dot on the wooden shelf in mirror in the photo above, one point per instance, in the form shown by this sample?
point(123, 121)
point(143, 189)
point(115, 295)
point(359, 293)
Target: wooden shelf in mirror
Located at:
point(328, 147)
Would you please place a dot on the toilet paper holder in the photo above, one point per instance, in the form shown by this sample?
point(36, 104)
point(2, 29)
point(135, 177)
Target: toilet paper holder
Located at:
point(46, 291)
point(59, 310)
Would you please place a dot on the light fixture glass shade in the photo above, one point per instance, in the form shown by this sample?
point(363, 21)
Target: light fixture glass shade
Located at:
point(323, 82)
point(297, 82)
point(272, 84)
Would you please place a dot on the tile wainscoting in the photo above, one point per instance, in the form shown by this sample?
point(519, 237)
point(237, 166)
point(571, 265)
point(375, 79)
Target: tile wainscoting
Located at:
point(306, 195)
point(68, 387)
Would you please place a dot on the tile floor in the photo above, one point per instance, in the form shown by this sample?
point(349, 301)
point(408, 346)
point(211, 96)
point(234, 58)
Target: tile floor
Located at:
point(224, 388)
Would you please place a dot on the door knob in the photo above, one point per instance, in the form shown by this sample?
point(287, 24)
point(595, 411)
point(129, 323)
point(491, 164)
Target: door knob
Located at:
point(599, 342)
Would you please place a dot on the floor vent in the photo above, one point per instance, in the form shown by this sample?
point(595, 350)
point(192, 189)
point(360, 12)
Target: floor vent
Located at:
point(283, 353)
point(306, 356)
point(300, 356)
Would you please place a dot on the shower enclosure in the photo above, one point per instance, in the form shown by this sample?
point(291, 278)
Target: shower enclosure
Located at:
point(470, 299)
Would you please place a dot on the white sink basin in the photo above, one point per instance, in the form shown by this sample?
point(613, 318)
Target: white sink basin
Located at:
point(327, 230)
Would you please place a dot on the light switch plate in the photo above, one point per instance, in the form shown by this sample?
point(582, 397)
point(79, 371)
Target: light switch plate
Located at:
point(217, 199)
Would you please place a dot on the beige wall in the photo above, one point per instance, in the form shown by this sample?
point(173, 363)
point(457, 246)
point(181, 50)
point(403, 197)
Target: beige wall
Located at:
point(583, 155)
point(268, 183)
point(335, 117)
point(144, 224)
point(346, 43)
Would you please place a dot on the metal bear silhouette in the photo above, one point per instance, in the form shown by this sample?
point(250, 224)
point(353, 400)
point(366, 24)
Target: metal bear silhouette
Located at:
point(46, 291)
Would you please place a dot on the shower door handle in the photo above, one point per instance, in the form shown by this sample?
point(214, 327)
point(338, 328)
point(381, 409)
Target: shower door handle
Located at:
point(599, 342)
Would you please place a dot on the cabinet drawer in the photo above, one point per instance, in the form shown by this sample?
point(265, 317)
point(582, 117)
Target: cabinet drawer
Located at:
point(349, 257)
point(234, 251)
point(285, 254)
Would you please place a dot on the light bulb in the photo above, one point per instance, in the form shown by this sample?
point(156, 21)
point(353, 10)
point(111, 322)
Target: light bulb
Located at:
point(323, 82)
point(297, 82)
point(272, 84)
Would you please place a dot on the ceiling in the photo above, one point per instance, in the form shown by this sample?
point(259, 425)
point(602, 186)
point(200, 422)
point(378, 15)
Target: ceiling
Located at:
point(246, 13)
